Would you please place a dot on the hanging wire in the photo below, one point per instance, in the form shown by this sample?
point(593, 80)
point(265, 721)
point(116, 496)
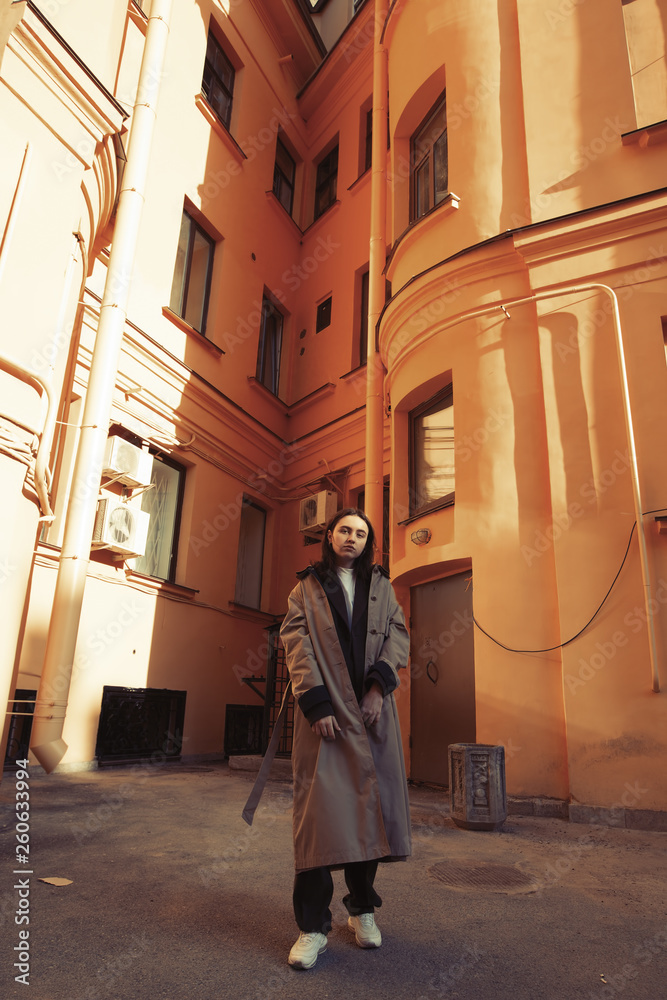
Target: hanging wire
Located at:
point(567, 642)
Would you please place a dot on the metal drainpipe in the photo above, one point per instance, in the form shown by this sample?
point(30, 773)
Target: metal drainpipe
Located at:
point(46, 741)
point(373, 478)
point(629, 425)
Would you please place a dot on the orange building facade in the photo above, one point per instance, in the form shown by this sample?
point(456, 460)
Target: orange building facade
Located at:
point(205, 207)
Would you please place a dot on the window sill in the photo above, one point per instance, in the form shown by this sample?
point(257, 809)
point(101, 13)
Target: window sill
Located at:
point(354, 372)
point(322, 390)
point(252, 614)
point(359, 183)
point(220, 130)
point(647, 135)
point(160, 586)
point(437, 506)
point(255, 383)
point(334, 206)
point(190, 330)
point(280, 210)
point(432, 218)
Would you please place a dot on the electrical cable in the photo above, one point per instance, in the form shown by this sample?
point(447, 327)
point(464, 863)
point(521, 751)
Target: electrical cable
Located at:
point(567, 642)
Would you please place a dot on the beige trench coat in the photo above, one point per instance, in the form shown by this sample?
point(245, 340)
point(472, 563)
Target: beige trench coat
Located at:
point(350, 794)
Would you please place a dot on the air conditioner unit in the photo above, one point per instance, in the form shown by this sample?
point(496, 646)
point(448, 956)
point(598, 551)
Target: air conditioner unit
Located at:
point(126, 463)
point(316, 511)
point(120, 527)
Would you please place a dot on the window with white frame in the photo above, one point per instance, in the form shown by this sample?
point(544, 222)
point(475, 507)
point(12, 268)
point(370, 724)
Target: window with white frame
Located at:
point(163, 502)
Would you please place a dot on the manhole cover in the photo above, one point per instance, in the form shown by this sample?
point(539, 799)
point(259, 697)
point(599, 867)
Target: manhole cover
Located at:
point(483, 875)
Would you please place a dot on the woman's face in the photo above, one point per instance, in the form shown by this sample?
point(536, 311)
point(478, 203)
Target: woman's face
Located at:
point(348, 539)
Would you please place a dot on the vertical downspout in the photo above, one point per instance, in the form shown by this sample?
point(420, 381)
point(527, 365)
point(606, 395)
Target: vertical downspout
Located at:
point(46, 742)
point(373, 485)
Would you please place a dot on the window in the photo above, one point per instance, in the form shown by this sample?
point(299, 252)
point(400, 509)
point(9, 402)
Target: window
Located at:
point(363, 314)
point(323, 318)
point(368, 151)
point(270, 344)
point(363, 318)
point(217, 84)
point(432, 458)
point(283, 177)
point(163, 503)
point(428, 162)
point(192, 274)
point(645, 35)
point(325, 182)
point(250, 555)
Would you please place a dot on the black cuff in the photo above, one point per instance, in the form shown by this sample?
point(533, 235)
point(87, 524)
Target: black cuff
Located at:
point(382, 673)
point(316, 703)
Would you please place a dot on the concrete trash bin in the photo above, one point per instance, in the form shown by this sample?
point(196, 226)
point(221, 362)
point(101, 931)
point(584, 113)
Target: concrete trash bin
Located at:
point(477, 785)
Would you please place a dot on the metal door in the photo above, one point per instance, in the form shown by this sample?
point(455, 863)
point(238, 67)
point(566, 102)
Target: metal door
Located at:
point(442, 675)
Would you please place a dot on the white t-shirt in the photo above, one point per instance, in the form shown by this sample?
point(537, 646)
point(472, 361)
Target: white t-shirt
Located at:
point(347, 579)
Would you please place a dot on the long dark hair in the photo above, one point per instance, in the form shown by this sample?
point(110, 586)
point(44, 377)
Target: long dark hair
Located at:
point(363, 563)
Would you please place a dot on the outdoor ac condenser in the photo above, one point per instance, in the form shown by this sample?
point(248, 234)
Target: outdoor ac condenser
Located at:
point(126, 463)
point(316, 511)
point(120, 527)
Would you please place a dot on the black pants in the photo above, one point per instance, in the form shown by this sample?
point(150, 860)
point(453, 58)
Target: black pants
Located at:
point(313, 891)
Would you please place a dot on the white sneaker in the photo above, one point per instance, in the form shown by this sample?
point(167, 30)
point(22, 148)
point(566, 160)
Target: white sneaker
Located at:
point(366, 931)
point(306, 949)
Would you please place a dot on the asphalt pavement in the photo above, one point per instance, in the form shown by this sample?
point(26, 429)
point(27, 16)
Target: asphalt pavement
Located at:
point(168, 894)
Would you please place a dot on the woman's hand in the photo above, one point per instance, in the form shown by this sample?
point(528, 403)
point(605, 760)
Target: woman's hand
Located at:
point(371, 705)
point(326, 727)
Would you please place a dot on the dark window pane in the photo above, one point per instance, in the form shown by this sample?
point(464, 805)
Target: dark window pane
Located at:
point(323, 315)
point(363, 335)
point(430, 181)
point(440, 170)
point(422, 190)
point(218, 80)
point(283, 177)
point(325, 182)
point(270, 344)
point(369, 140)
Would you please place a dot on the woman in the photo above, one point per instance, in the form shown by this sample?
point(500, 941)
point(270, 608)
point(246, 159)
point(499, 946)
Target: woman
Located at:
point(345, 638)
